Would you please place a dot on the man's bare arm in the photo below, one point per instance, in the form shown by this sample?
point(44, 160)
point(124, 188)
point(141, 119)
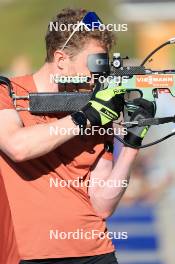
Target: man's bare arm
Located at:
point(105, 199)
point(24, 143)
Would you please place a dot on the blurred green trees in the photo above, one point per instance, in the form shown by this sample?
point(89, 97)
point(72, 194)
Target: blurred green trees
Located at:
point(23, 25)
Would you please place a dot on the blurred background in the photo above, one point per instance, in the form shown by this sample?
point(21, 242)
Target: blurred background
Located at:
point(147, 211)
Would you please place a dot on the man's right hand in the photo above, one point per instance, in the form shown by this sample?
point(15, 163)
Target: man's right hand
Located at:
point(135, 135)
point(105, 106)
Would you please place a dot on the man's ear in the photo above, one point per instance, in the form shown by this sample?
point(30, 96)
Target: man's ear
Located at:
point(59, 59)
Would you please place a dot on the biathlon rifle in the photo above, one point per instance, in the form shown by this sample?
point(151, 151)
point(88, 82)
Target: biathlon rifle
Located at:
point(145, 82)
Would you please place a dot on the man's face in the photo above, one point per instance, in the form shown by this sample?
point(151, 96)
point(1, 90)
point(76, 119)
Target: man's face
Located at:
point(77, 66)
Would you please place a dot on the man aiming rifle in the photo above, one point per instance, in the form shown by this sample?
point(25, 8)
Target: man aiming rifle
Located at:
point(30, 156)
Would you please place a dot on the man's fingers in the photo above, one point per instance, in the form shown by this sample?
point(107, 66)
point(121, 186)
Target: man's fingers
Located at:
point(145, 104)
